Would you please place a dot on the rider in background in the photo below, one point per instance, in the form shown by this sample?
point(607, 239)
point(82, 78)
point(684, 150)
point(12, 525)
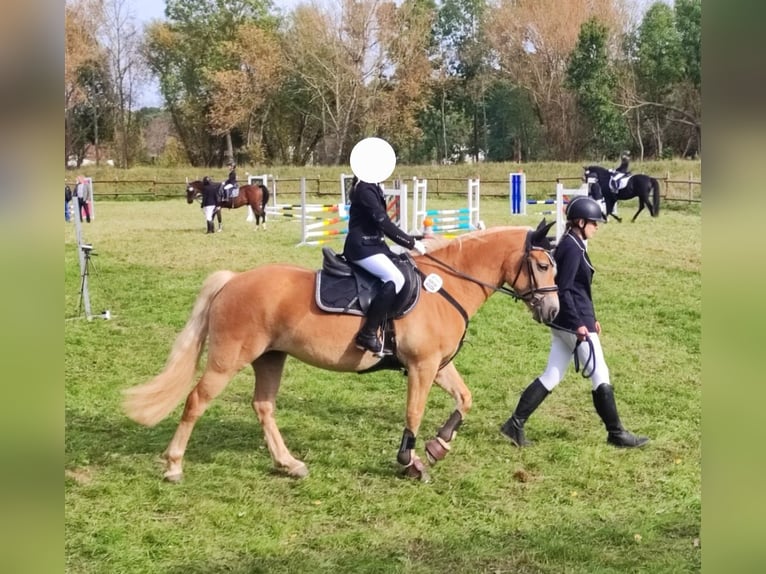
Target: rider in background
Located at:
point(621, 171)
point(231, 182)
point(574, 330)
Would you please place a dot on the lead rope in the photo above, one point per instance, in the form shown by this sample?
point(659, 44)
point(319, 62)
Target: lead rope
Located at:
point(589, 362)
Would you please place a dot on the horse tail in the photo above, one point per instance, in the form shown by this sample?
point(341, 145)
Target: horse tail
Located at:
point(266, 194)
point(151, 402)
point(656, 196)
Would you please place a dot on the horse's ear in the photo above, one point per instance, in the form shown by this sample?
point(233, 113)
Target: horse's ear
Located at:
point(540, 235)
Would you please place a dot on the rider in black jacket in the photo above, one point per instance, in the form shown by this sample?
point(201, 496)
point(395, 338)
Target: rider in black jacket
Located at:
point(231, 181)
point(575, 323)
point(209, 201)
point(365, 246)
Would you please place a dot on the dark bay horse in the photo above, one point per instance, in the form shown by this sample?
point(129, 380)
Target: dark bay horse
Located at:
point(261, 316)
point(256, 196)
point(645, 187)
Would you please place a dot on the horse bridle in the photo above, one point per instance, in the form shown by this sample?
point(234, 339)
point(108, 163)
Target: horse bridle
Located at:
point(530, 296)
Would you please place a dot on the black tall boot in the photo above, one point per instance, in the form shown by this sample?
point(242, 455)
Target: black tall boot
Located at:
point(210, 227)
point(530, 399)
point(603, 400)
point(367, 338)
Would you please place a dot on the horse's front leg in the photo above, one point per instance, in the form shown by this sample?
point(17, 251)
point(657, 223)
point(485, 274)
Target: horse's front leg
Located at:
point(419, 380)
point(218, 214)
point(450, 380)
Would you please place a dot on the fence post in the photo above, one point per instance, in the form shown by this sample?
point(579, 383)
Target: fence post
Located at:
point(667, 184)
point(690, 188)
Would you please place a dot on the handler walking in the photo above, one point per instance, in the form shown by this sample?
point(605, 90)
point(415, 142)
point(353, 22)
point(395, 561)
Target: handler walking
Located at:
point(209, 202)
point(574, 330)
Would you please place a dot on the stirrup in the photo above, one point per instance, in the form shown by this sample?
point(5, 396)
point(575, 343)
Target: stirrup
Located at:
point(371, 343)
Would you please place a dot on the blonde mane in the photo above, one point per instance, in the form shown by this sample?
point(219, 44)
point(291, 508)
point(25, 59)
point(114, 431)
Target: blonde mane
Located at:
point(437, 242)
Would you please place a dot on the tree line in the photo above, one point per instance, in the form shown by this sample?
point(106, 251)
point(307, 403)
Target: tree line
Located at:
point(443, 81)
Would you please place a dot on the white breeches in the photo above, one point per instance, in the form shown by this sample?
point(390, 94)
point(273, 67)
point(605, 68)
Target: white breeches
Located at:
point(209, 210)
point(383, 268)
point(562, 347)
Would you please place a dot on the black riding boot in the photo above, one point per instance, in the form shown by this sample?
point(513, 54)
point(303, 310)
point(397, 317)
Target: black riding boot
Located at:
point(603, 400)
point(530, 399)
point(210, 227)
point(367, 338)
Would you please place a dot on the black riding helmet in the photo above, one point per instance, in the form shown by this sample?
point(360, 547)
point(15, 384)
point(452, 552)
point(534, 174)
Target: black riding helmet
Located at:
point(582, 207)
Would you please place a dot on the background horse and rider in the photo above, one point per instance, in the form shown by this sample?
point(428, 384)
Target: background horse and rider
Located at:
point(256, 196)
point(642, 186)
point(259, 317)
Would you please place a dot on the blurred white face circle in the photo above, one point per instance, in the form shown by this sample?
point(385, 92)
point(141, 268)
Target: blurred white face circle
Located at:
point(373, 160)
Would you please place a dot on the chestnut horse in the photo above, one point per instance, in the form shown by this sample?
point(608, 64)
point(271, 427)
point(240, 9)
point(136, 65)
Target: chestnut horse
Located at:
point(260, 316)
point(256, 196)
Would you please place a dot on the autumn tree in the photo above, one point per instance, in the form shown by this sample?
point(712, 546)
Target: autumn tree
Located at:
point(531, 41)
point(81, 49)
point(187, 53)
point(121, 40)
point(404, 83)
point(241, 94)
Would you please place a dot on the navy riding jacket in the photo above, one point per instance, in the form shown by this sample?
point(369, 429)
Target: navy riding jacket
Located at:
point(369, 223)
point(574, 274)
point(210, 194)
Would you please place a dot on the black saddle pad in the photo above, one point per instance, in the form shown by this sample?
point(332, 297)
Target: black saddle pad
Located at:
point(342, 287)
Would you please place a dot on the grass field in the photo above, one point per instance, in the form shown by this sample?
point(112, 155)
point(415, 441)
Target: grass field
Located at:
point(569, 504)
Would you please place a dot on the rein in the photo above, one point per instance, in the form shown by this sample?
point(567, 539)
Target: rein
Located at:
point(511, 292)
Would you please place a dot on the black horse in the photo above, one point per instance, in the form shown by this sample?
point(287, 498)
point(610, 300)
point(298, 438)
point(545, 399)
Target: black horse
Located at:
point(640, 185)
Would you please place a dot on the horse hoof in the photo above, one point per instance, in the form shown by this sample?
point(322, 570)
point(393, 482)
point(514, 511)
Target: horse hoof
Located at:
point(300, 471)
point(174, 477)
point(436, 450)
point(416, 469)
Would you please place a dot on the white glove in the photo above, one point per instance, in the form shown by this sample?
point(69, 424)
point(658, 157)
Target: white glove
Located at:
point(420, 247)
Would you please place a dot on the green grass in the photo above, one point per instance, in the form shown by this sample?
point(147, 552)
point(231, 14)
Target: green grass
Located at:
point(569, 504)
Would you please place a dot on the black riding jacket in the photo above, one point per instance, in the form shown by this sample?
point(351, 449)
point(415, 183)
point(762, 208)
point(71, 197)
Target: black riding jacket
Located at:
point(624, 166)
point(210, 194)
point(574, 274)
point(232, 179)
point(369, 223)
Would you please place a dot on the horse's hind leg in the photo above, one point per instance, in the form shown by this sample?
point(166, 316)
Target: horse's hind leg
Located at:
point(209, 386)
point(640, 208)
point(268, 375)
point(263, 215)
point(450, 380)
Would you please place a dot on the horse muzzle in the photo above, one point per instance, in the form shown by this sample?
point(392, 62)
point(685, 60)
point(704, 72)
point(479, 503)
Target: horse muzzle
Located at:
point(545, 307)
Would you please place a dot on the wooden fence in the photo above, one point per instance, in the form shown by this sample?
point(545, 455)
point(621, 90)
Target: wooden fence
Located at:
point(681, 190)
